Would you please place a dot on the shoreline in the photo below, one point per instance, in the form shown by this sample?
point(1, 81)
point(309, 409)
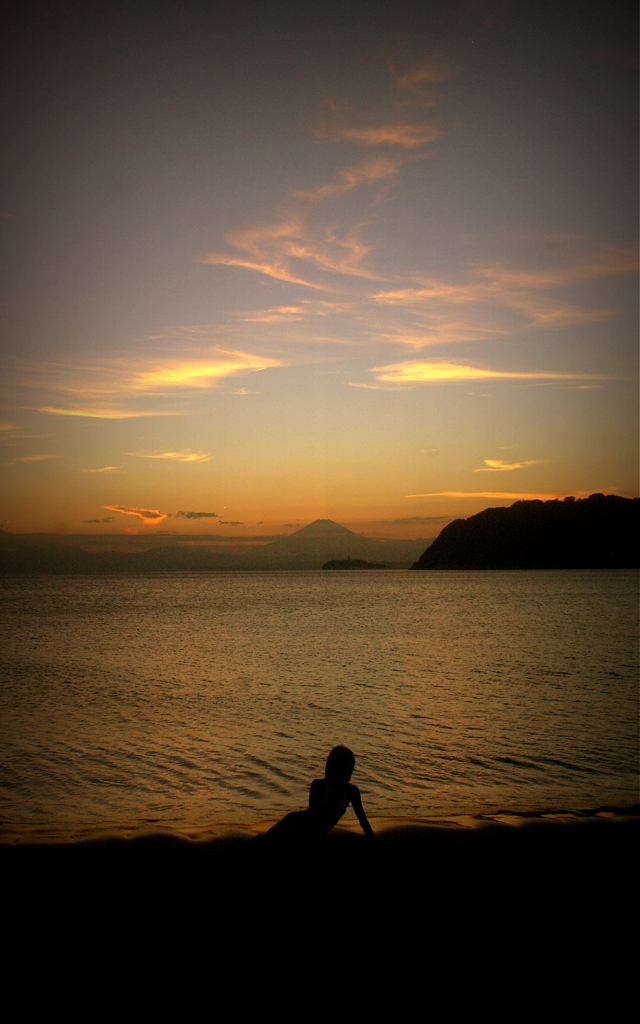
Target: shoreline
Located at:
point(70, 835)
point(443, 891)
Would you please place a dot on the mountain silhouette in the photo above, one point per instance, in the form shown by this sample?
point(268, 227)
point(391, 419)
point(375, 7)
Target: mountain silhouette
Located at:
point(307, 548)
point(323, 541)
point(323, 527)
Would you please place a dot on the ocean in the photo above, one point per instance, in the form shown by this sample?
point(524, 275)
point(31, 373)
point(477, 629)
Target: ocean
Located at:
point(193, 700)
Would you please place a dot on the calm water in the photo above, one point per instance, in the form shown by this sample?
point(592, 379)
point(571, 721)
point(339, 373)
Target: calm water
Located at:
point(200, 698)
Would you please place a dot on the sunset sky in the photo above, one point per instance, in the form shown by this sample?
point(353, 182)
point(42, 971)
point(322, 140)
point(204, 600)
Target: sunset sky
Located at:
point(278, 262)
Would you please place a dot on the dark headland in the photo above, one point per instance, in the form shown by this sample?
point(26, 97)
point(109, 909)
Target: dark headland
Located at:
point(598, 532)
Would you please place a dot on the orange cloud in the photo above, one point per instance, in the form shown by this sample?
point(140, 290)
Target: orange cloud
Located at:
point(276, 315)
point(415, 371)
point(149, 516)
point(518, 496)
point(267, 246)
point(279, 272)
point(509, 288)
point(370, 387)
point(498, 466)
point(102, 469)
point(101, 414)
point(188, 373)
point(271, 248)
point(352, 177)
point(406, 135)
point(35, 458)
point(154, 374)
point(181, 456)
point(427, 74)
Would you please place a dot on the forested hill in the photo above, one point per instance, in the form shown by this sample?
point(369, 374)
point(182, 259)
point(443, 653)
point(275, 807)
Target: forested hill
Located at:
point(598, 532)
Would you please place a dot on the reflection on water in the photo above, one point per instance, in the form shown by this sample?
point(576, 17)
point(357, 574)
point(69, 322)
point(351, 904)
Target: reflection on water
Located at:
point(195, 698)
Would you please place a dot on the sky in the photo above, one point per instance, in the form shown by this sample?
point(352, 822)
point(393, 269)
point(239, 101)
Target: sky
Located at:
point(265, 263)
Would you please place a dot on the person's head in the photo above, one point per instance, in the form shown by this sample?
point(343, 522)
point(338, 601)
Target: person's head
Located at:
point(340, 764)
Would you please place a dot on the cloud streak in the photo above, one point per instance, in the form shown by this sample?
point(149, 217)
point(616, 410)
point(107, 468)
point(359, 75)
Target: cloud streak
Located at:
point(430, 73)
point(102, 414)
point(200, 374)
point(149, 516)
point(458, 310)
point(180, 456)
point(507, 495)
point(276, 250)
point(419, 372)
point(352, 177)
point(498, 466)
point(196, 515)
point(108, 385)
point(406, 135)
point(35, 458)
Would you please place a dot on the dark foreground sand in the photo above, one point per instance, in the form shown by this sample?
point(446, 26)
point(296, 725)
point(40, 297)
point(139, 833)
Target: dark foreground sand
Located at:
point(507, 871)
point(532, 900)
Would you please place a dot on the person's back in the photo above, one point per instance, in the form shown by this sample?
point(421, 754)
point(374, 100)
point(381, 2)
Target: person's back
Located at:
point(328, 801)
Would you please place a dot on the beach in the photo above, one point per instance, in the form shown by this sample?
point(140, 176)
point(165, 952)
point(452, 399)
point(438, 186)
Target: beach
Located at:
point(567, 879)
point(152, 728)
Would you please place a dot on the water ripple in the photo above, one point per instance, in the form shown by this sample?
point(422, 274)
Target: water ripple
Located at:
point(204, 697)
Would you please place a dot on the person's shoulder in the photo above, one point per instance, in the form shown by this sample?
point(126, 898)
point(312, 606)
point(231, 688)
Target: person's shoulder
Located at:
point(354, 792)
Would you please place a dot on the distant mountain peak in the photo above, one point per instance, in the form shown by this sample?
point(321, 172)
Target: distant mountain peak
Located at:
point(324, 526)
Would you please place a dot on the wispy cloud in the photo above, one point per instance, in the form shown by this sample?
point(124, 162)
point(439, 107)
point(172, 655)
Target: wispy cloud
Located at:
point(428, 73)
point(506, 495)
point(102, 414)
point(110, 388)
point(498, 466)
point(267, 248)
point(370, 387)
point(182, 456)
point(149, 516)
point(530, 296)
point(351, 177)
point(35, 458)
point(7, 426)
point(200, 374)
point(417, 519)
point(276, 270)
point(406, 135)
point(284, 249)
point(276, 315)
point(101, 469)
point(416, 371)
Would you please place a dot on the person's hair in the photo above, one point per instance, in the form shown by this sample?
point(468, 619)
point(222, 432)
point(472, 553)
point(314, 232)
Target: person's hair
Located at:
point(340, 764)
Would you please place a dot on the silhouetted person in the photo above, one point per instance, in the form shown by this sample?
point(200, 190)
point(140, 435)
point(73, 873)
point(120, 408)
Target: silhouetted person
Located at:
point(328, 800)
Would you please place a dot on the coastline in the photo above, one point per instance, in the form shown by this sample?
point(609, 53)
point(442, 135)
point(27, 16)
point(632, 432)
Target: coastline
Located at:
point(234, 833)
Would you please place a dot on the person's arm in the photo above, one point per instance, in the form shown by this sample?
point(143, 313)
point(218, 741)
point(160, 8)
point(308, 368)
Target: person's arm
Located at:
point(356, 803)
